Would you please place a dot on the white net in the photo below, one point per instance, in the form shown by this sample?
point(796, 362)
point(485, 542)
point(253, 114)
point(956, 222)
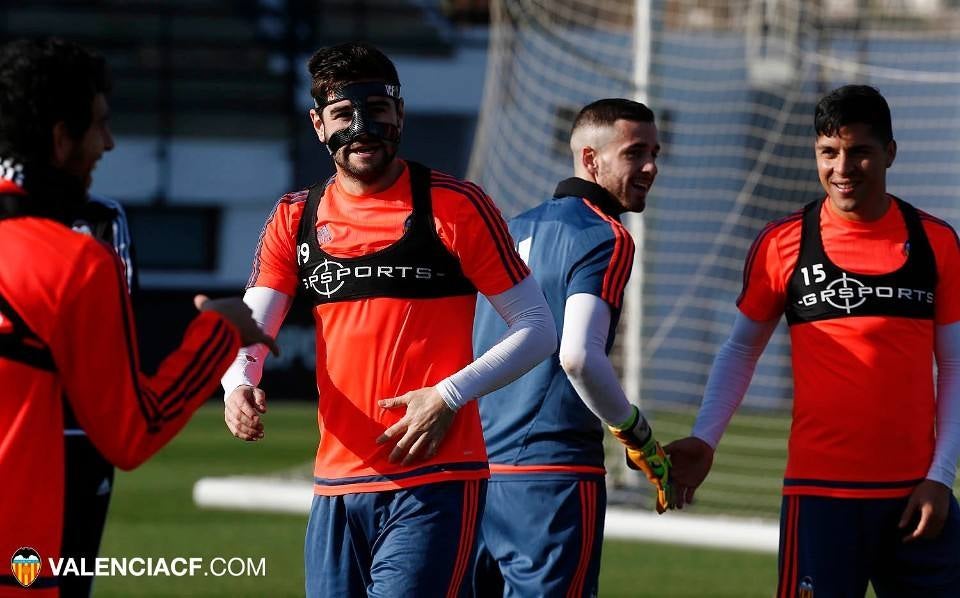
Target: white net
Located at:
point(733, 83)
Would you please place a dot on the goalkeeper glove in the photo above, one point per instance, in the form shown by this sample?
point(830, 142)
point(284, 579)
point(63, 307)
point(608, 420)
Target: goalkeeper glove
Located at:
point(644, 454)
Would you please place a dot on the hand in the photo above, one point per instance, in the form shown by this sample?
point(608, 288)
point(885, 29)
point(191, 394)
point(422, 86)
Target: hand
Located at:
point(644, 454)
point(237, 312)
point(241, 412)
point(421, 428)
point(932, 500)
point(655, 464)
point(692, 459)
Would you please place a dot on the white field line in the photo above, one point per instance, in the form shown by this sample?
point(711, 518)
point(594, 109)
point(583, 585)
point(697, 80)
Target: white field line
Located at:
point(279, 495)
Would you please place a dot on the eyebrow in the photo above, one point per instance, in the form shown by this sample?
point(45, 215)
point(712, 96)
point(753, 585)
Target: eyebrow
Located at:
point(642, 145)
point(859, 146)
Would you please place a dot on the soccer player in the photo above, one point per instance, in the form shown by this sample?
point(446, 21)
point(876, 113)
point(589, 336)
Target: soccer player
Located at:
point(89, 475)
point(392, 255)
point(870, 287)
point(66, 334)
point(542, 527)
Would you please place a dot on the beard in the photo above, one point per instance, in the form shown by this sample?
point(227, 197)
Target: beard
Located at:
point(367, 171)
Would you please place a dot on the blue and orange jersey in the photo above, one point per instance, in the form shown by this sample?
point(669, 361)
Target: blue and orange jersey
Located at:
point(66, 330)
point(376, 348)
point(864, 401)
point(538, 425)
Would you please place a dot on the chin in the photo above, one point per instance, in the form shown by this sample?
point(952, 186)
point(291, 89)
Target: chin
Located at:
point(370, 173)
point(845, 204)
point(637, 204)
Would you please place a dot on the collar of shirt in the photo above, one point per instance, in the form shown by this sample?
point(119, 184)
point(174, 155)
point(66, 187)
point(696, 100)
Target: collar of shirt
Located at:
point(592, 192)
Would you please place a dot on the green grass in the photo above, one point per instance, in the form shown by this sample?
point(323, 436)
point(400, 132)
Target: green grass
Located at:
point(153, 515)
point(747, 474)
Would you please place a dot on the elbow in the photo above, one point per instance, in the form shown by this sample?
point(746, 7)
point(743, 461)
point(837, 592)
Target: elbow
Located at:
point(573, 363)
point(128, 462)
point(550, 346)
point(132, 457)
point(549, 331)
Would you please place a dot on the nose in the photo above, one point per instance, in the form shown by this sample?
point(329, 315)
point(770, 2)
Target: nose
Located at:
point(108, 142)
point(650, 167)
point(845, 163)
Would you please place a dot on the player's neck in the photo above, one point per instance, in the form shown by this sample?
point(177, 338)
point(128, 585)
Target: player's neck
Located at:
point(865, 212)
point(355, 186)
point(583, 185)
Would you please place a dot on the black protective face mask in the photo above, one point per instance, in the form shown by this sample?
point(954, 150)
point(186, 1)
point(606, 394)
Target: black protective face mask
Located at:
point(362, 123)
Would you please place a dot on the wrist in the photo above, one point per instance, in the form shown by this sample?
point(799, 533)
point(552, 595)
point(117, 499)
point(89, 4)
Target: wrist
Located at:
point(943, 486)
point(631, 421)
point(450, 394)
point(637, 433)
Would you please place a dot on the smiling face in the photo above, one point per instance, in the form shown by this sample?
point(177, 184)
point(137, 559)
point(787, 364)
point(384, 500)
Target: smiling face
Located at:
point(626, 165)
point(852, 166)
point(366, 158)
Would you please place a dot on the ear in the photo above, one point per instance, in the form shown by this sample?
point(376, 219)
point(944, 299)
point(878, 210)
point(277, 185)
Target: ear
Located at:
point(63, 144)
point(891, 152)
point(588, 159)
point(400, 114)
point(317, 120)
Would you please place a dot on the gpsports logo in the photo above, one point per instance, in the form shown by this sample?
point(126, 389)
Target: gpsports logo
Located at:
point(25, 565)
point(323, 280)
point(330, 276)
point(847, 294)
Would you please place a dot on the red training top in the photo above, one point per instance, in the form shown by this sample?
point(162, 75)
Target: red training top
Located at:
point(381, 347)
point(864, 402)
point(69, 290)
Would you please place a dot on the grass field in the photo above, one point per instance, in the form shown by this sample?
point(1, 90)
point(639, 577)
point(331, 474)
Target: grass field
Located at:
point(153, 515)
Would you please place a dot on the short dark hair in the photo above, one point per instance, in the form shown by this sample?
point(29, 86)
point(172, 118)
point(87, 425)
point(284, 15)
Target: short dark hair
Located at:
point(608, 111)
point(332, 68)
point(43, 82)
point(853, 104)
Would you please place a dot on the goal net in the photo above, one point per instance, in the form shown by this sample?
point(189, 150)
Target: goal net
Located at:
point(733, 84)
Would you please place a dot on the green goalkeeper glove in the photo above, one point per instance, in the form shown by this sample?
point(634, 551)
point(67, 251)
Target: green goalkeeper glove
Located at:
point(644, 454)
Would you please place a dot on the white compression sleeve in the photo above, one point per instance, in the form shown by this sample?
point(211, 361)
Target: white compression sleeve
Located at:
point(730, 376)
point(269, 308)
point(531, 336)
point(583, 356)
point(947, 450)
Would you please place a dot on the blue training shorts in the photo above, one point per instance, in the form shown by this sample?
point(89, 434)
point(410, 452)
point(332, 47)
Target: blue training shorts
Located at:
point(541, 538)
point(414, 542)
point(834, 546)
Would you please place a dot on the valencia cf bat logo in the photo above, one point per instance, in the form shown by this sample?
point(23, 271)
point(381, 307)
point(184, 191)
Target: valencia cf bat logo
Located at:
point(805, 590)
point(323, 235)
point(25, 565)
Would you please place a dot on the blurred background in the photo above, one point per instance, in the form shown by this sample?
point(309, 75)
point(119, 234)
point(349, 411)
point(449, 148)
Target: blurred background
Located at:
point(210, 109)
